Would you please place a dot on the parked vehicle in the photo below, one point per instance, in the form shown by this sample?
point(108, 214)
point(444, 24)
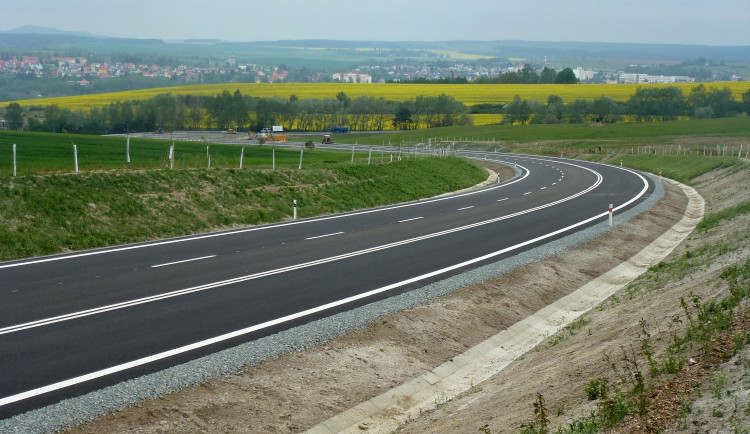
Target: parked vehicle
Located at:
point(340, 130)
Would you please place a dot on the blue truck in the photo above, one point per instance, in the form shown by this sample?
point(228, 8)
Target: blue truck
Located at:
point(340, 130)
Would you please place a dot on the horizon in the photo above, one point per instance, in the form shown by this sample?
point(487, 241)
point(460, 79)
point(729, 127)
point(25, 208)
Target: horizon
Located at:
point(670, 22)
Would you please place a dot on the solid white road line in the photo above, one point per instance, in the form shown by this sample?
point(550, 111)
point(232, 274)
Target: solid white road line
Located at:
point(185, 260)
point(149, 299)
point(163, 355)
point(323, 236)
point(466, 207)
point(410, 220)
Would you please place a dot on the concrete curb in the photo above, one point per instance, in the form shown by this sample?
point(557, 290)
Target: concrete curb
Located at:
point(385, 412)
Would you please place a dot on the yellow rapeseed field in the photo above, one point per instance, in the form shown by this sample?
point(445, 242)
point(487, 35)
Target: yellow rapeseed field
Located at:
point(469, 94)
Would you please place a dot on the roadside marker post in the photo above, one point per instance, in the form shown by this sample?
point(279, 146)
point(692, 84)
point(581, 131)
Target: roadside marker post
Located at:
point(352, 155)
point(295, 209)
point(208, 157)
point(75, 157)
point(171, 156)
point(610, 214)
point(242, 157)
point(127, 149)
point(273, 157)
point(301, 152)
point(369, 157)
point(14, 160)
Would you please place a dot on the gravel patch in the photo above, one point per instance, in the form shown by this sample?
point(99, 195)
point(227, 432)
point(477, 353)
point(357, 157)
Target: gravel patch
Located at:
point(75, 411)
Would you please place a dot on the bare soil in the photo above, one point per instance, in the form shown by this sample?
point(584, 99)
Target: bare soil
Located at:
point(299, 390)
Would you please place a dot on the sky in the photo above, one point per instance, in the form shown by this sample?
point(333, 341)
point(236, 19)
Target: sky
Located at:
point(699, 22)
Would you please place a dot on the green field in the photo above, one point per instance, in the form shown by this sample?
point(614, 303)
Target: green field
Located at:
point(626, 133)
point(45, 152)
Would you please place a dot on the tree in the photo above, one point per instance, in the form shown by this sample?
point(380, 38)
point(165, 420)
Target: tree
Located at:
point(14, 116)
point(516, 111)
point(547, 76)
point(721, 102)
point(566, 76)
point(746, 102)
point(605, 109)
point(343, 99)
point(402, 120)
point(654, 102)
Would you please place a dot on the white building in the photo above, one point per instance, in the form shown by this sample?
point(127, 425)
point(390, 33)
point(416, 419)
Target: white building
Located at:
point(352, 77)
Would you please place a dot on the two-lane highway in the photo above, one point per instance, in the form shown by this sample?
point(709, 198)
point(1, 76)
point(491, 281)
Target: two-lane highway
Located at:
point(70, 324)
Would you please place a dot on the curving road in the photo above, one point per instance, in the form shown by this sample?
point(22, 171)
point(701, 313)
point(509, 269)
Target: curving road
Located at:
point(70, 324)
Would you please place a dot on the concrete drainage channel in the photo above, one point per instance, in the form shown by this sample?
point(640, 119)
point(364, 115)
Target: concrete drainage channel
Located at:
point(491, 356)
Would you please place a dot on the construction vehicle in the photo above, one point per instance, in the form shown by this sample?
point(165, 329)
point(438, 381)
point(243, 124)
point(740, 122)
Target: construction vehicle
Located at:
point(327, 140)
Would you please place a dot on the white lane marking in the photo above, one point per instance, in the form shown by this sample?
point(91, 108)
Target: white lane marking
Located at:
point(180, 262)
point(323, 236)
point(543, 188)
point(500, 200)
point(163, 355)
point(258, 228)
point(554, 183)
point(466, 207)
point(410, 220)
point(528, 192)
point(149, 299)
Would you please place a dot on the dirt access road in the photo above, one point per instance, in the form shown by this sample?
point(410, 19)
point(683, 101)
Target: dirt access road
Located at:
point(299, 390)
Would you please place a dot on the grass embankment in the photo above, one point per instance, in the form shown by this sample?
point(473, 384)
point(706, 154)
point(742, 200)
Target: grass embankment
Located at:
point(45, 214)
point(683, 168)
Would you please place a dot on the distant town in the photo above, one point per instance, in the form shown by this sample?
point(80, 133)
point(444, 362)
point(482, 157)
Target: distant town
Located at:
point(82, 71)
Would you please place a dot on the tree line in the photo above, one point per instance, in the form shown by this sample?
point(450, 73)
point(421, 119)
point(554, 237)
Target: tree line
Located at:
point(647, 104)
point(366, 113)
point(242, 112)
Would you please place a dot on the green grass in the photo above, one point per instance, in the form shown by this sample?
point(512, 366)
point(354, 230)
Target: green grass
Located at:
point(683, 168)
point(625, 133)
point(47, 152)
point(51, 213)
point(713, 220)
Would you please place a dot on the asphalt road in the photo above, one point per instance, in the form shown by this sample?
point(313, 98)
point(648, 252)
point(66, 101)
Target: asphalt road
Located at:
point(70, 324)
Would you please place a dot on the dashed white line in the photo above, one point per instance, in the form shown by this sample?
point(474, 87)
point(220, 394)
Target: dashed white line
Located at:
point(543, 188)
point(180, 262)
point(323, 236)
point(466, 207)
point(500, 200)
point(410, 220)
point(528, 192)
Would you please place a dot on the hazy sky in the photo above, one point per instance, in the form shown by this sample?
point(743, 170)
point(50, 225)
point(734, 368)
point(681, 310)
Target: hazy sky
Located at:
point(714, 22)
